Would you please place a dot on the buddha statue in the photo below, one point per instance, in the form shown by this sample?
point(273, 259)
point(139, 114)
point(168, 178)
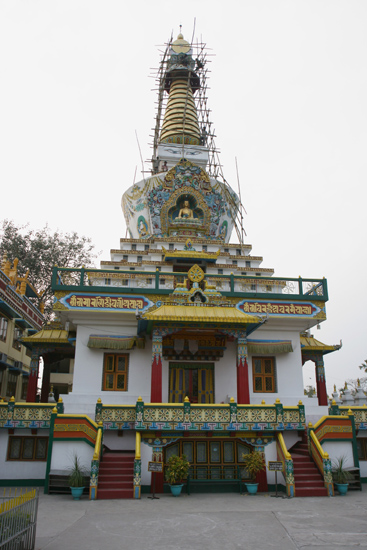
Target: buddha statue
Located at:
point(186, 212)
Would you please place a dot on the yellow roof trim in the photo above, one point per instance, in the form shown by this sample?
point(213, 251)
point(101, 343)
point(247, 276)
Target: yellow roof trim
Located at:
point(311, 344)
point(49, 336)
point(198, 314)
point(190, 254)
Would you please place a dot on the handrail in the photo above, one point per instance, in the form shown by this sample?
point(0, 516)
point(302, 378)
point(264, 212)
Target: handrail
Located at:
point(93, 485)
point(288, 470)
point(319, 448)
point(287, 454)
point(98, 445)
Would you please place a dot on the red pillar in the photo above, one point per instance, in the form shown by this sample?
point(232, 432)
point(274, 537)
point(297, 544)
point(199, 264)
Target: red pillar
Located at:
point(156, 380)
point(321, 383)
point(243, 391)
point(32, 382)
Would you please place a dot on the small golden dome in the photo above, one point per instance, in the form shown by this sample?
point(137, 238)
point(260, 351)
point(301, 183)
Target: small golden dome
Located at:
point(180, 45)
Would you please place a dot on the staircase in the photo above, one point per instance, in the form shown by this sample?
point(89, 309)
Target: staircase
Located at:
point(308, 480)
point(116, 475)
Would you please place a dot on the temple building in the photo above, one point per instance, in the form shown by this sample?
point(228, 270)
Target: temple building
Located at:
point(183, 342)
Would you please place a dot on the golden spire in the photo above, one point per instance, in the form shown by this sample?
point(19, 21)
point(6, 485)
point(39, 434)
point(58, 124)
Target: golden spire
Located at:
point(180, 123)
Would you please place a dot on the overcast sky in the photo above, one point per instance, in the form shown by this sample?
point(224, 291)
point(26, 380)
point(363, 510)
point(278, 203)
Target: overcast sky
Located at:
point(288, 98)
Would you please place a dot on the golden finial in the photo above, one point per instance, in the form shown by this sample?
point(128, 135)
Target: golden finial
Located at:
point(60, 400)
point(186, 400)
point(12, 398)
point(300, 402)
point(333, 402)
point(231, 400)
point(277, 401)
point(99, 400)
point(54, 410)
point(350, 412)
point(346, 386)
point(140, 398)
point(310, 425)
point(334, 388)
point(100, 423)
point(263, 402)
point(358, 383)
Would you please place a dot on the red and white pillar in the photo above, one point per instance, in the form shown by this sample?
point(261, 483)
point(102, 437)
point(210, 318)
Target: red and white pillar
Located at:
point(243, 391)
point(156, 380)
point(321, 382)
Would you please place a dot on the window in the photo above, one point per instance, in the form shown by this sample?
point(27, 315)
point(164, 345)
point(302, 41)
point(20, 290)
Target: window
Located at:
point(149, 281)
point(132, 268)
point(27, 448)
point(362, 449)
point(116, 267)
point(133, 247)
point(205, 248)
point(115, 372)
point(3, 328)
point(146, 247)
point(162, 282)
point(125, 258)
point(171, 246)
point(253, 287)
point(220, 271)
point(107, 282)
point(243, 273)
point(248, 263)
point(12, 385)
point(238, 252)
point(140, 258)
point(263, 374)
point(125, 282)
point(258, 274)
point(234, 262)
point(17, 334)
point(226, 250)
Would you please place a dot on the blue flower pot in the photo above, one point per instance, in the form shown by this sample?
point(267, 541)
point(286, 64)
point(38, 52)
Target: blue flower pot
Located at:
point(77, 492)
point(176, 490)
point(342, 488)
point(252, 488)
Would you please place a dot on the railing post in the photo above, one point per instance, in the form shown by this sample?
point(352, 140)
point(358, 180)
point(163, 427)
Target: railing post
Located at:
point(157, 279)
point(60, 406)
point(94, 470)
point(334, 408)
point(98, 413)
point(139, 410)
point(302, 415)
point(49, 450)
point(279, 414)
point(187, 409)
point(232, 412)
point(137, 466)
point(232, 282)
point(300, 286)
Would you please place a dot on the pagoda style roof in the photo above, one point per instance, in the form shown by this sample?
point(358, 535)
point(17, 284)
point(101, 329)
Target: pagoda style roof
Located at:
point(201, 314)
point(49, 336)
point(309, 343)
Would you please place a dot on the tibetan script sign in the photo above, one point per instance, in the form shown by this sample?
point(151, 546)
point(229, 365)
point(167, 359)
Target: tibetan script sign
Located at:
point(90, 301)
point(155, 467)
point(275, 466)
point(279, 308)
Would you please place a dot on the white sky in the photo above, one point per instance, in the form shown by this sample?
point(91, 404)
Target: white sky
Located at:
point(288, 98)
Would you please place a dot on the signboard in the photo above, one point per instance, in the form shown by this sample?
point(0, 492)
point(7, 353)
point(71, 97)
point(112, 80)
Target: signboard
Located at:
point(275, 466)
point(155, 467)
point(279, 308)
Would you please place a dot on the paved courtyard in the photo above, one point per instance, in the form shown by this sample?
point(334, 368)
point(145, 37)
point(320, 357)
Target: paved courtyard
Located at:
point(203, 521)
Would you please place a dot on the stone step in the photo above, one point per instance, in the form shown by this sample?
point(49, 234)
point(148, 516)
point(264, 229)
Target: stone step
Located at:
point(106, 494)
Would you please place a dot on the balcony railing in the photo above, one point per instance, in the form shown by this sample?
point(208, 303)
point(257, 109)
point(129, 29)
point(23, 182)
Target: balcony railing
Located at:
point(192, 417)
point(27, 415)
point(96, 280)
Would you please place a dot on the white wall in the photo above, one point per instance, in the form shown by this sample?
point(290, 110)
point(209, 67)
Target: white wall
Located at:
point(63, 453)
point(226, 374)
point(288, 369)
point(18, 469)
point(338, 449)
point(88, 372)
point(113, 441)
point(146, 456)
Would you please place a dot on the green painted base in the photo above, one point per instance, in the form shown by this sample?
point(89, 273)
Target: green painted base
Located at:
point(22, 482)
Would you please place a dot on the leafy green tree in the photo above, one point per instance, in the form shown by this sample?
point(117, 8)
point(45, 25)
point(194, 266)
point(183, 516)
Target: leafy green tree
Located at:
point(39, 251)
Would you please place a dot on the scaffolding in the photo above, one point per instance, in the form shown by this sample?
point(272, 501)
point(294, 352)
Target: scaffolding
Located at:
point(201, 55)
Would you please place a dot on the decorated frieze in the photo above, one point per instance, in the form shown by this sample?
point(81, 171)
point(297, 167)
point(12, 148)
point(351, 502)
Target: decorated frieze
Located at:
point(294, 309)
point(91, 301)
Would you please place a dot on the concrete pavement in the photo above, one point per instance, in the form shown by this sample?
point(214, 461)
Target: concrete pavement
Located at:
point(203, 521)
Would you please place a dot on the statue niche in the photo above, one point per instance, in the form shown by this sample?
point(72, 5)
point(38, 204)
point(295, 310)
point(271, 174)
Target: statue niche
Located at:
point(185, 211)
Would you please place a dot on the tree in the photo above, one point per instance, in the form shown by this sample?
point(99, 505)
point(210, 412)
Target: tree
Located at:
point(364, 365)
point(39, 251)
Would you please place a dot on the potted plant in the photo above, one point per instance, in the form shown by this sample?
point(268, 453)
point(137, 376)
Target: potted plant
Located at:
point(77, 478)
point(341, 475)
point(175, 472)
point(253, 463)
